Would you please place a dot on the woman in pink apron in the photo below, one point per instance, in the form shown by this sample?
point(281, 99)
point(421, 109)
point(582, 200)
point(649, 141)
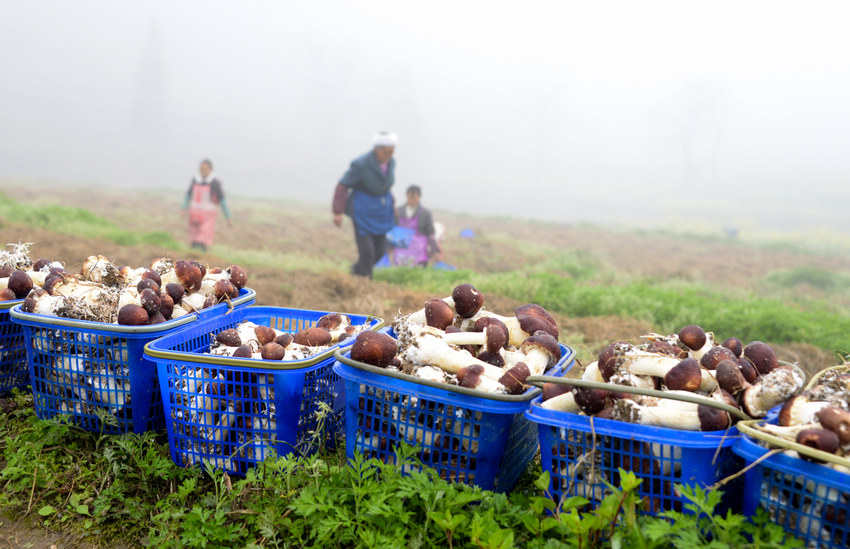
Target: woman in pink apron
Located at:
point(423, 245)
point(202, 201)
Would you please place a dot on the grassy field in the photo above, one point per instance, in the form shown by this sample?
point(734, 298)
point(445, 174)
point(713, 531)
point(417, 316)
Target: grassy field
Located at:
point(600, 284)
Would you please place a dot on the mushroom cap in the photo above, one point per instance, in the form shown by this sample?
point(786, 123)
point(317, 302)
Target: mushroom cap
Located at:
point(272, 351)
point(733, 344)
point(375, 348)
point(714, 355)
point(150, 274)
point(533, 318)
point(166, 305)
point(551, 390)
point(332, 321)
point(762, 356)
point(176, 291)
point(608, 359)
point(514, 378)
point(693, 337)
point(224, 289)
point(20, 283)
point(133, 315)
point(264, 334)
point(150, 300)
point(438, 314)
point(684, 376)
point(470, 376)
point(497, 337)
point(747, 369)
point(729, 377)
point(238, 276)
point(725, 396)
point(31, 300)
point(243, 351)
point(836, 420)
point(452, 329)
point(200, 266)
point(229, 337)
point(546, 343)
point(791, 411)
point(40, 264)
point(5, 271)
point(485, 321)
point(146, 283)
point(712, 419)
point(156, 318)
point(467, 299)
point(284, 340)
point(496, 359)
point(662, 347)
point(189, 274)
point(591, 401)
point(819, 439)
point(313, 336)
point(7, 295)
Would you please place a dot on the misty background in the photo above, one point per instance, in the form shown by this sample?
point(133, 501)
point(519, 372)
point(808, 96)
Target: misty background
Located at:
point(678, 113)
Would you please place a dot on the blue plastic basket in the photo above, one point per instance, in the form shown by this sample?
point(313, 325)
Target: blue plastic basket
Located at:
point(809, 500)
point(14, 372)
point(467, 436)
point(232, 413)
point(582, 453)
point(96, 372)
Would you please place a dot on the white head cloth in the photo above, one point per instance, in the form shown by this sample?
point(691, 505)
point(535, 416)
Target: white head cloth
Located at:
point(385, 139)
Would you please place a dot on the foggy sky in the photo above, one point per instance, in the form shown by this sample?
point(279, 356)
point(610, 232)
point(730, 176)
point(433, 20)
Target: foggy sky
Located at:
point(693, 113)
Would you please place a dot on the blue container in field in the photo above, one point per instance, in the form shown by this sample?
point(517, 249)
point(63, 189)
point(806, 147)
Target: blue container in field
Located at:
point(232, 413)
point(14, 372)
point(96, 373)
point(468, 436)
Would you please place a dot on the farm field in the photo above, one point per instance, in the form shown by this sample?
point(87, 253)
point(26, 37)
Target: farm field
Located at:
point(600, 284)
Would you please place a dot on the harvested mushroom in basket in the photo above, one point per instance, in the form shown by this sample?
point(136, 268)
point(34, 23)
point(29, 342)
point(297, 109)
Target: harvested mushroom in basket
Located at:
point(19, 274)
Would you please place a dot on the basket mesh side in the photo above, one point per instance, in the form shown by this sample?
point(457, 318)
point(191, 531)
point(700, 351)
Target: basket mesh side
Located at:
point(519, 451)
point(13, 356)
point(816, 512)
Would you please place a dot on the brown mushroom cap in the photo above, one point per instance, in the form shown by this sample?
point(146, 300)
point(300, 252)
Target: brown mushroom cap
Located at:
point(189, 274)
point(747, 369)
point(608, 359)
point(28, 306)
point(712, 419)
point(176, 291)
point(496, 337)
point(156, 318)
point(836, 420)
point(714, 355)
point(733, 344)
point(330, 321)
point(684, 376)
point(664, 348)
point(264, 334)
point(147, 283)
point(133, 315)
point(496, 359)
point(150, 300)
point(5, 271)
point(313, 336)
point(467, 299)
point(533, 318)
point(438, 314)
point(693, 337)
point(224, 289)
point(551, 390)
point(150, 274)
point(470, 376)
point(166, 305)
point(514, 378)
point(229, 337)
point(272, 351)
point(7, 295)
point(591, 401)
point(819, 439)
point(20, 283)
point(762, 356)
point(238, 276)
point(546, 343)
point(791, 410)
point(40, 264)
point(284, 340)
point(375, 348)
point(729, 377)
point(244, 351)
point(452, 329)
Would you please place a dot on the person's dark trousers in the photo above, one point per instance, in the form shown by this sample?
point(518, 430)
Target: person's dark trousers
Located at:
point(371, 248)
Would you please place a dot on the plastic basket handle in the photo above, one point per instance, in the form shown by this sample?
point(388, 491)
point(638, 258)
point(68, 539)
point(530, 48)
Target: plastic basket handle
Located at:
point(750, 429)
point(696, 399)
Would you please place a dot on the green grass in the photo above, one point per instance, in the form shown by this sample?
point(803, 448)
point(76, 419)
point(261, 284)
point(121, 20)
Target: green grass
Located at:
point(79, 222)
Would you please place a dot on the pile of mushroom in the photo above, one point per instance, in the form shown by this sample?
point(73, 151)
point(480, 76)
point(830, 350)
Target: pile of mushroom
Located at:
point(103, 292)
point(249, 340)
point(748, 377)
point(456, 340)
point(19, 274)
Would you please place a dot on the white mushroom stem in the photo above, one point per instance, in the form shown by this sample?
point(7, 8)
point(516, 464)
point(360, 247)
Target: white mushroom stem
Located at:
point(790, 432)
point(651, 364)
point(565, 402)
point(431, 374)
point(431, 349)
point(193, 301)
point(592, 373)
point(489, 386)
point(512, 358)
point(709, 344)
point(129, 296)
point(466, 338)
point(37, 277)
point(673, 417)
point(537, 361)
point(623, 377)
point(418, 317)
point(516, 335)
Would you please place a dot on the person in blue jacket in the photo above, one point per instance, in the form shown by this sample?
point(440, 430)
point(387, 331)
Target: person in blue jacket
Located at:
point(363, 194)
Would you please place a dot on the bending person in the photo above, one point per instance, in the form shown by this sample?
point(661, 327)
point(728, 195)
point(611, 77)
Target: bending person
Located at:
point(423, 244)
